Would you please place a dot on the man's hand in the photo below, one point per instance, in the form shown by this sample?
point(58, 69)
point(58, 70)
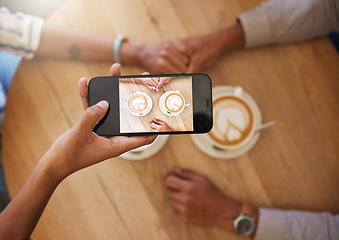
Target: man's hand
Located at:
point(166, 57)
point(204, 50)
point(80, 147)
point(197, 200)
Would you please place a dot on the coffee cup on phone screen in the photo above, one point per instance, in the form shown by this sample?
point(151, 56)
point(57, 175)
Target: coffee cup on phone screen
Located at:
point(139, 103)
point(172, 103)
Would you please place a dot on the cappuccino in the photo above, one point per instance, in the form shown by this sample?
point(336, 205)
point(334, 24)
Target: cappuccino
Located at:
point(174, 102)
point(233, 122)
point(139, 103)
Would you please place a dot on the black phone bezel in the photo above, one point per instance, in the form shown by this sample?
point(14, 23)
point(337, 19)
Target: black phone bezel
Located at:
point(107, 88)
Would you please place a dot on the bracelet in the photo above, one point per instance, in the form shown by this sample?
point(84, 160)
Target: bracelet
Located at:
point(134, 80)
point(116, 47)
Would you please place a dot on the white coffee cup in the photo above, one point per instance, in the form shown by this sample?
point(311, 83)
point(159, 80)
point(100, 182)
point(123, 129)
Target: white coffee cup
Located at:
point(234, 120)
point(172, 103)
point(139, 103)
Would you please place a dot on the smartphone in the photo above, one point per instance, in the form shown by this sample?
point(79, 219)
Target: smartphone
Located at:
point(153, 104)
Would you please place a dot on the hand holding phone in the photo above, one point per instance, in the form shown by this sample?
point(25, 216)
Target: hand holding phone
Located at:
point(179, 104)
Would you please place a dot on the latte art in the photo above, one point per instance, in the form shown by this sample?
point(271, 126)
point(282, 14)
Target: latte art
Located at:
point(233, 121)
point(137, 103)
point(174, 102)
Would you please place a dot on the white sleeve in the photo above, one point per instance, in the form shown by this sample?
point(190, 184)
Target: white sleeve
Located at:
point(283, 225)
point(20, 33)
point(283, 21)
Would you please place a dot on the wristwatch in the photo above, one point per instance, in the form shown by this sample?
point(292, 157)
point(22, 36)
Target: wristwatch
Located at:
point(244, 224)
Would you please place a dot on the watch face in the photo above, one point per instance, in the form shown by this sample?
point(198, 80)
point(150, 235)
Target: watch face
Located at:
point(245, 226)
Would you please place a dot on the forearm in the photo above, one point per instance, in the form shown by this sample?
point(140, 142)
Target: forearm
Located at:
point(293, 224)
point(63, 42)
point(20, 217)
point(229, 38)
point(283, 21)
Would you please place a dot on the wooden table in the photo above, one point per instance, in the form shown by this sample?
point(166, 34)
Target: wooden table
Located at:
point(294, 165)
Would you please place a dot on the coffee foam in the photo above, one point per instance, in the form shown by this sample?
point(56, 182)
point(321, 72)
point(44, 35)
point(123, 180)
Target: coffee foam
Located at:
point(233, 121)
point(137, 103)
point(174, 102)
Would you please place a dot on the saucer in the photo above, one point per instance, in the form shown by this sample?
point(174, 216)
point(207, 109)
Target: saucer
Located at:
point(146, 151)
point(204, 145)
point(149, 106)
point(162, 105)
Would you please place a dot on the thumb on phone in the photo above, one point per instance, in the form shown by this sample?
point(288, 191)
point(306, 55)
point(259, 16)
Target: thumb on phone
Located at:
point(92, 116)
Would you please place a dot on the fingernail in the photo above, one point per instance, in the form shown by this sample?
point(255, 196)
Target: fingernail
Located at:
point(103, 104)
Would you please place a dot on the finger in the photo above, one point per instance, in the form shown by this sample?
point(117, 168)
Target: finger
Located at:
point(155, 127)
point(193, 66)
point(92, 116)
point(175, 195)
point(181, 52)
point(115, 69)
point(177, 206)
point(177, 59)
point(128, 143)
point(175, 183)
point(83, 91)
point(187, 174)
point(158, 121)
point(161, 83)
point(176, 65)
point(145, 73)
point(153, 81)
point(152, 88)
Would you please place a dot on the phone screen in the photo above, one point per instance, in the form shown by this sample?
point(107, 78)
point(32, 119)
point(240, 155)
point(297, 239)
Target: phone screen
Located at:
point(156, 104)
point(153, 104)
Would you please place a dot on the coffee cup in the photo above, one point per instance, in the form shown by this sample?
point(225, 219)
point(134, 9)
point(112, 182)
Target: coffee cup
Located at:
point(234, 120)
point(172, 103)
point(139, 103)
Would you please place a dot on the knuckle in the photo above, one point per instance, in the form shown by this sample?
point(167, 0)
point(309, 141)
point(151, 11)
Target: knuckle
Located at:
point(164, 52)
point(184, 211)
point(161, 63)
point(91, 111)
point(189, 188)
point(186, 200)
point(168, 180)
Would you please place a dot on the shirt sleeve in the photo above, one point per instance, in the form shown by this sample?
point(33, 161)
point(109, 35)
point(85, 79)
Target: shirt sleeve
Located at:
point(283, 225)
point(20, 33)
point(284, 21)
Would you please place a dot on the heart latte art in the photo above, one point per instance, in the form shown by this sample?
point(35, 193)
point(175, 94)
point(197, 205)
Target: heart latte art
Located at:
point(174, 102)
point(233, 121)
point(137, 103)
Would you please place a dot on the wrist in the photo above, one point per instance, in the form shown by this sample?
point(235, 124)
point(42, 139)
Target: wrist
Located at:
point(230, 212)
point(231, 38)
point(247, 221)
point(130, 53)
point(47, 168)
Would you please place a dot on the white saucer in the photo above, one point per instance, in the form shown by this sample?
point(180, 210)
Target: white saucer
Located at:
point(162, 105)
point(147, 150)
point(204, 145)
point(149, 106)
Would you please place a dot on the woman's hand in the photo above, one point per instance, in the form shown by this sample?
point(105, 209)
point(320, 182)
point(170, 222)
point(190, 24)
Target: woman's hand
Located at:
point(151, 83)
point(80, 147)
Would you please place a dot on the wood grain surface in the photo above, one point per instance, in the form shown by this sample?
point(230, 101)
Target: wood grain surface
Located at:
point(294, 164)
